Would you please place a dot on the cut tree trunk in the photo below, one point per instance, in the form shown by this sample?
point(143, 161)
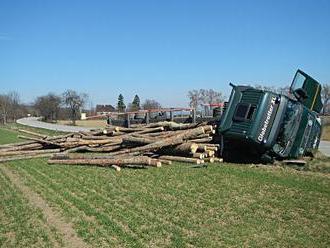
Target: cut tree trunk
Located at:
point(198, 155)
point(138, 140)
point(32, 146)
point(181, 159)
point(116, 167)
point(13, 158)
point(202, 140)
point(42, 141)
point(31, 152)
point(33, 133)
point(142, 160)
point(165, 142)
point(184, 149)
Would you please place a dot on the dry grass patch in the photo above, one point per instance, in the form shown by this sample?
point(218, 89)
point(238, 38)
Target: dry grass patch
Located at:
point(85, 123)
point(326, 132)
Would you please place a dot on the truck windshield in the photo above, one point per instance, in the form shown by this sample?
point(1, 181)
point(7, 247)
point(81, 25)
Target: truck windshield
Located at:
point(288, 128)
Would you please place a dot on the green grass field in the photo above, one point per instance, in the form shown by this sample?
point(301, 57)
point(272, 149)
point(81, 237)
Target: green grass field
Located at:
point(172, 206)
point(8, 136)
point(9, 133)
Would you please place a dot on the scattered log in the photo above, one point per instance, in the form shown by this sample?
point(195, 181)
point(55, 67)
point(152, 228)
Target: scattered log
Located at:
point(116, 167)
point(32, 146)
point(42, 141)
point(17, 144)
point(151, 130)
point(91, 137)
point(173, 125)
point(299, 162)
point(209, 160)
point(218, 160)
point(210, 153)
point(30, 152)
point(7, 159)
point(128, 130)
point(142, 160)
point(140, 146)
point(115, 133)
point(201, 147)
point(104, 149)
point(198, 155)
point(202, 140)
point(181, 159)
point(84, 143)
point(187, 148)
point(54, 138)
point(211, 148)
point(184, 149)
point(153, 146)
point(33, 133)
point(76, 149)
point(163, 161)
point(138, 140)
point(163, 134)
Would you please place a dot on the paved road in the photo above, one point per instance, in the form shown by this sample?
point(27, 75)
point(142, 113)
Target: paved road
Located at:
point(325, 147)
point(34, 122)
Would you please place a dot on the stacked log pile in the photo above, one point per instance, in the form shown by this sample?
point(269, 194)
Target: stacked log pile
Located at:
point(144, 145)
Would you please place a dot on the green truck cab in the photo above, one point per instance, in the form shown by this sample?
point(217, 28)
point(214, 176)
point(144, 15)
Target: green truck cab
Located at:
point(260, 125)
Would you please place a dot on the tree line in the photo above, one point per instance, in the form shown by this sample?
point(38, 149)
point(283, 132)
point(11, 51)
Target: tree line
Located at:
point(69, 104)
point(50, 106)
point(10, 107)
point(204, 97)
point(136, 105)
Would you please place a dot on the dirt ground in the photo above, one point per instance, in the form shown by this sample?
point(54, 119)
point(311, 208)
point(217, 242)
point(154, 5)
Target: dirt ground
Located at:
point(86, 123)
point(53, 218)
point(326, 132)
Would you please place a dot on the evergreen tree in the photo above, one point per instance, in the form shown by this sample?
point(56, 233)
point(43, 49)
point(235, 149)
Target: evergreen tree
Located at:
point(135, 106)
point(121, 105)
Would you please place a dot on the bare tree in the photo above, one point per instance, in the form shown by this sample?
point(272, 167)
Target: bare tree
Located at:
point(279, 90)
point(325, 94)
point(15, 105)
point(74, 102)
point(284, 90)
point(267, 88)
point(151, 104)
point(10, 107)
point(204, 97)
point(193, 96)
point(210, 96)
point(48, 106)
point(4, 108)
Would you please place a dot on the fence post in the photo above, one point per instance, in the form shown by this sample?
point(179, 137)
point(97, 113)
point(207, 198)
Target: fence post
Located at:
point(171, 115)
point(194, 115)
point(148, 117)
point(128, 121)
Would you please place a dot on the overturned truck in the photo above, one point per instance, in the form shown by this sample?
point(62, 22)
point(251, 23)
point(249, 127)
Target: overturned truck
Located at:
point(260, 125)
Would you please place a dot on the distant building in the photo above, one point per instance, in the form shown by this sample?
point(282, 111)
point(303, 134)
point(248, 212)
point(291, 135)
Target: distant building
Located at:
point(104, 109)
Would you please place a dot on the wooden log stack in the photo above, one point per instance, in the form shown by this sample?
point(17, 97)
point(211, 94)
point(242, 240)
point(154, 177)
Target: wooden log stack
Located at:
point(115, 147)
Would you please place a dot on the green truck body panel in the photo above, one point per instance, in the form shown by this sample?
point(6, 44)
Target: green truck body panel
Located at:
point(265, 125)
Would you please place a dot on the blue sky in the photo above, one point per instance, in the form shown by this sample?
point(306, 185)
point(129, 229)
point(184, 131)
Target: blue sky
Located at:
point(159, 49)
